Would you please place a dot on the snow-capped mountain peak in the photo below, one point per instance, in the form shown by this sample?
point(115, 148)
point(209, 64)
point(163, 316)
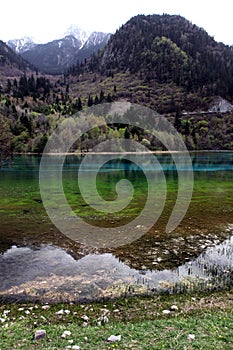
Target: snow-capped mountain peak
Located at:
point(80, 34)
point(21, 45)
point(96, 38)
point(56, 56)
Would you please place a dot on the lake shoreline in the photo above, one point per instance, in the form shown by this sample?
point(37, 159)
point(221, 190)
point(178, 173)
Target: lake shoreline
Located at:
point(119, 153)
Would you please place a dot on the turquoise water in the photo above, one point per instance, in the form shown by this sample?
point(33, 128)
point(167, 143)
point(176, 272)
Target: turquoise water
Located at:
point(38, 261)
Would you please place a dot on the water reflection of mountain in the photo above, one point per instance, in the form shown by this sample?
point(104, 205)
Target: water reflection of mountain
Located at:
point(156, 251)
point(62, 270)
point(159, 252)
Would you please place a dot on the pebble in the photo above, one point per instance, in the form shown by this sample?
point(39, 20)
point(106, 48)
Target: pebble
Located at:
point(166, 312)
point(105, 311)
point(40, 334)
point(191, 337)
point(85, 318)
point(45, 307)
point(60, 312)
point(114, 338)
point(65, 334)
point(174, 307)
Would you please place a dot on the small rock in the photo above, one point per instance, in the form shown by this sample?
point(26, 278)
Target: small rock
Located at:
point(105, 319)
point(191, 337)
point(40, 334)
point(60, 312)
point(116, 310)
point(166, 312)
point(6, 312)
point(45, 307)
point(65, 334)
point(102, 319)
point(75, 347)
point(174, 308)
point(105, 311)
point(114, 338)
point(85, 318)
point(67, 312)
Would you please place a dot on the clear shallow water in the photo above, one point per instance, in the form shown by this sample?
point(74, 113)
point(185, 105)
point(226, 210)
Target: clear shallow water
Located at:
point(37, 261)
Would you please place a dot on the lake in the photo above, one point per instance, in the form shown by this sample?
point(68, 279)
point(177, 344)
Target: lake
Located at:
point(38, 262)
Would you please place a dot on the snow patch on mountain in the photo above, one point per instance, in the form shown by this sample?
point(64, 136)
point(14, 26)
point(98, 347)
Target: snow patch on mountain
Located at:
point(21, 45)
point(97, 38)
point(79, 34)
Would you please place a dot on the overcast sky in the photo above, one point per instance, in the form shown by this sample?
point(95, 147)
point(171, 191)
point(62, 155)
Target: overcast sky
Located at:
point(48, 19)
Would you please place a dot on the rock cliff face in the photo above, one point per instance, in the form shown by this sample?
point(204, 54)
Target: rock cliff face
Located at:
point(221, 105)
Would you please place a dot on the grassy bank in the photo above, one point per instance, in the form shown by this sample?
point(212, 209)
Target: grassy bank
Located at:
point(190, 322)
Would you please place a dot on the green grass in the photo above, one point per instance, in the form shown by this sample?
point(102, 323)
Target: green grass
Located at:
point(140, 322)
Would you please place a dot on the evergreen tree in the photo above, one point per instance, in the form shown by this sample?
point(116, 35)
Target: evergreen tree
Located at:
point(80, 107)
point(90, 101)
point(101, 96)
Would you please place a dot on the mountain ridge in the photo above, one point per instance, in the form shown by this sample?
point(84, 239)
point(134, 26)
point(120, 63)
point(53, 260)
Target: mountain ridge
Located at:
point(168, 48)
point(57, 55)
point(12, 64)
point(162, 62)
